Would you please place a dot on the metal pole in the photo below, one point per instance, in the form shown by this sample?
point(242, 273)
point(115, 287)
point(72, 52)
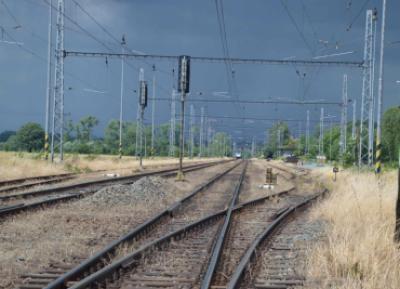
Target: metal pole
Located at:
point(180, 174)
point(172, 121)
point(353, 127)
point(308, 133)
point(58, 101)
point(367, 101)
point(49, 80)
point(138, 119)
point(380, 93)
point(330, 139)
point(279, 142)
point(191, 132)
point(153, 109)
point(397, 226)
point(321, 134)
point(201, 132)
point(343, 122)
point(141, 137)
point(121, 97)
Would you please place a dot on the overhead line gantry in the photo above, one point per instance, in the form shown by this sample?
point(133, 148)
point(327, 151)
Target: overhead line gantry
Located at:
point(210, 59)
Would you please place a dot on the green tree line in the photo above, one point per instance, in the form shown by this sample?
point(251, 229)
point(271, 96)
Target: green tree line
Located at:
point(79, 138)
point(331, 140)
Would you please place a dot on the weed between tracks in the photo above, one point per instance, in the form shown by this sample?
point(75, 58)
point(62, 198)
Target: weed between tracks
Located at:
point(359, 251)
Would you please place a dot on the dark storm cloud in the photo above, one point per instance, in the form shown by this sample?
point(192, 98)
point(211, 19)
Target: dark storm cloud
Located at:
point(255, 28)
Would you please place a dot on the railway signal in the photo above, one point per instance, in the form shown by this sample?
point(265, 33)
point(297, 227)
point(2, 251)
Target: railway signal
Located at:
point(183, 88)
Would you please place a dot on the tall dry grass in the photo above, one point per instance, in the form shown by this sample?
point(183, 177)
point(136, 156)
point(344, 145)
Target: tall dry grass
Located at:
point(21, 165)
point(358, 251)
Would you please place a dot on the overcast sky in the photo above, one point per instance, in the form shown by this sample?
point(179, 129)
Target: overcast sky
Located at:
point(299, 29)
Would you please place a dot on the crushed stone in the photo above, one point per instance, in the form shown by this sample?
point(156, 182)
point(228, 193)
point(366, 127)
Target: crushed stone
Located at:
point(144, 190)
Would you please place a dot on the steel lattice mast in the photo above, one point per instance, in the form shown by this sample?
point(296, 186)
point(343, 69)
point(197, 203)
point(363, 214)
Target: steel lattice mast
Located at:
point(58, 101)
point(365, 151)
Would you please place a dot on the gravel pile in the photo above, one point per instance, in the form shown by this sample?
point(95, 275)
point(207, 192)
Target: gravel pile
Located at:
point(145, 190)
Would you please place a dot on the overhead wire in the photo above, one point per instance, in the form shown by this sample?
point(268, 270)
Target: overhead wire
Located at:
point(230, 73)
point(362, 9)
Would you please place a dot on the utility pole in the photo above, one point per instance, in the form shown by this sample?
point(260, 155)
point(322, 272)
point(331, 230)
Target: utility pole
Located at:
point(49, 80)
point(142, 103)
point(201, 132)
point(123, 42)
point(183, 88)
point(172, 121)
point(321, 134)
point(380, 94)
point(308, 133)
point(365, 150)
point(57, 136)
point(153, 110)
point(343, 123)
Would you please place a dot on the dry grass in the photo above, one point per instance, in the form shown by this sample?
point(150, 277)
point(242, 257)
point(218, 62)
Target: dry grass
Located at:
point(21, 165)
point(358, 251)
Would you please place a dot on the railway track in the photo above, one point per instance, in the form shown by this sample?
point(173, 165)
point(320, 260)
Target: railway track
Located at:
point(27, 183)
point(274, 260)
point(23, 184)
point(189, 245)
point(21, 181)
point(170, 218)
point(12, 204)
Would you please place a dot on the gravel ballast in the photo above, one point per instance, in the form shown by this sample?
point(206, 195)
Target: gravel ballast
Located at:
point(144, 190)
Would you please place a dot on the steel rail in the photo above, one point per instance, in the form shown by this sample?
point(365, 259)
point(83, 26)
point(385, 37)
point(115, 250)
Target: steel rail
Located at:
point(237, 276)
point(22, 207)
point(4, 211)
point(122, 180)
point(38, 183)
point(93, 262)
point(17, 181)
point(218, 246)
point(234, 60)
point(113, 270)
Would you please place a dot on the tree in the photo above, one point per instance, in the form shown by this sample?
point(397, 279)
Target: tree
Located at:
point(5, 135)
point(84, 128)
point(30, 137)
point(111, 137)
point(220, 144)
point(391, 134)
point(278, 129)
